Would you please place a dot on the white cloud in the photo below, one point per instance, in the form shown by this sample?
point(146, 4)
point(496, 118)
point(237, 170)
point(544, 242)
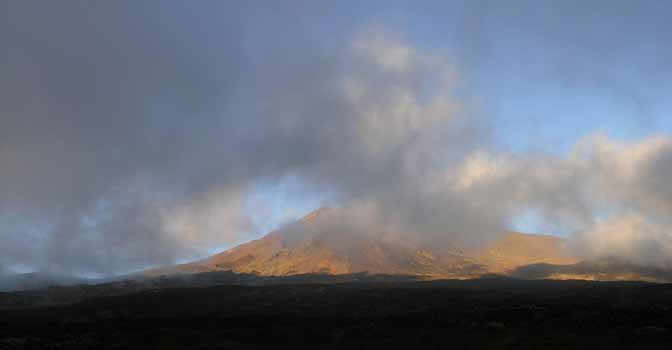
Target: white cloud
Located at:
point(611, 194)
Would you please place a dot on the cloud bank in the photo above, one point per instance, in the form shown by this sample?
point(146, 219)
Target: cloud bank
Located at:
point(611, 195)
point(132, 135)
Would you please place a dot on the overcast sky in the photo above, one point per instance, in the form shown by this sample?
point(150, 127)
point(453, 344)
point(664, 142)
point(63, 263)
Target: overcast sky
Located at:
point(137, 133)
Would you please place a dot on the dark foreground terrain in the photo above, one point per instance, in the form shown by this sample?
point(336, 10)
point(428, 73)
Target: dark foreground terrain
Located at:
point(489, 313)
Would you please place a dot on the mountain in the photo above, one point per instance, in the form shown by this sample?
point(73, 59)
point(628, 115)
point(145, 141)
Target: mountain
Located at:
point(303, 248)
point(285, 252)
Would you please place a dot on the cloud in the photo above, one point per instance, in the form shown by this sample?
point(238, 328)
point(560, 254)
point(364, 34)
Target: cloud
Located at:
point(631, 237)
point(610, 194)
point(129, 140)
point(108, 121)
point(135, 135)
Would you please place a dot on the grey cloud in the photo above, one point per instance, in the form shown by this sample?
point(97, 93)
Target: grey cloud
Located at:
point(108, 115)
point(132, 133)
point(130, 138)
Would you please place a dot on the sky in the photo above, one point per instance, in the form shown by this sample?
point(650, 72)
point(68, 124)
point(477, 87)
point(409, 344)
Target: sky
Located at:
point(141, 133)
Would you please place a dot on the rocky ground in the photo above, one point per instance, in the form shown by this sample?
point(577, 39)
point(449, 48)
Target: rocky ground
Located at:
point(488, 313)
